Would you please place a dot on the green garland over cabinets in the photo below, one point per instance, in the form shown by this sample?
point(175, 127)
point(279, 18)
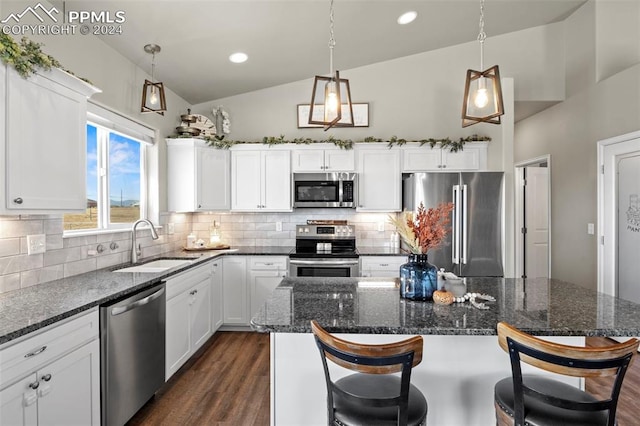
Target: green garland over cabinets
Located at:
point(452, 145)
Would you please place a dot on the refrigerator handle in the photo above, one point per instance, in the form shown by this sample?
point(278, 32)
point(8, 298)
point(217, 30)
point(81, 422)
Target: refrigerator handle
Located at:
point(463, 225)
point(455, 227)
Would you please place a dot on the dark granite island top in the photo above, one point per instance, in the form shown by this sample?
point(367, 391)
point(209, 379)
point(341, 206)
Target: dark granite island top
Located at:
point(544, 307)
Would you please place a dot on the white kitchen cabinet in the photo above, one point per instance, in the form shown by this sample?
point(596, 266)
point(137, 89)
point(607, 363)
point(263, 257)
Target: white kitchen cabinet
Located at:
point(421, 159)
point(381, 266)
point(43, 142)
point(236, 295)
point(379, 179)
point(217, 301)
point(188, 322)
point(53, 376)
point(198, 176)
point(261, 180)
point(322, 160)
point(264, 274)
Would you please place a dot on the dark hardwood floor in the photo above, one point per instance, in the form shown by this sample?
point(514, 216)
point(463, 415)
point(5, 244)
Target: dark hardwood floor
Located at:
point(227, 384)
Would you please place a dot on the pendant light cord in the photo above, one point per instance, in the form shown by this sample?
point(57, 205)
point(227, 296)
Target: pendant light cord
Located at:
point(332, 40)
point(482, 36)
point(153, 65)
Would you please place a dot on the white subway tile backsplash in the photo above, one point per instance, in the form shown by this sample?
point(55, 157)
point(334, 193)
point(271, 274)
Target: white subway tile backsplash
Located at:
point(9, 247)
point(22, 262)
point(20, 227)
point(37, 276)
point(80, 267)
point(57, 257)
point(9, 282)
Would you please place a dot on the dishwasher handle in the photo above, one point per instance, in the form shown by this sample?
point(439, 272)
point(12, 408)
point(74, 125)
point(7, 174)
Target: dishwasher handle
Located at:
point(122, 309)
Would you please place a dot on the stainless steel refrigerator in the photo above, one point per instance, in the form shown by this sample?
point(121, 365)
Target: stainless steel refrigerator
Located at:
point(474, 247)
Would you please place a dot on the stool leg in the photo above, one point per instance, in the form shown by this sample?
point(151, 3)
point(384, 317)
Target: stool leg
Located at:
point(502, 418)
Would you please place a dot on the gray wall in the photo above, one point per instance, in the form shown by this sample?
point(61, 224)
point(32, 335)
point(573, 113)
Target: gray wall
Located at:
point(602, 100)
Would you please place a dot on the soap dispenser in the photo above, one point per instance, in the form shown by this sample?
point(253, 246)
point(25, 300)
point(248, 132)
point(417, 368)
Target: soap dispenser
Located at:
point(191, 240)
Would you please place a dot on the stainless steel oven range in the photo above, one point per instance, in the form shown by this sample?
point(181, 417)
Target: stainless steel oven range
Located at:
point(324, 250)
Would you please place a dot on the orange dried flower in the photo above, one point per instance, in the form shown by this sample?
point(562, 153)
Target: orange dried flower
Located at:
point(427, 229)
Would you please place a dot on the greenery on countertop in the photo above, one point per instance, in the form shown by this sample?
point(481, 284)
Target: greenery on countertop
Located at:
point(27, 57)
point(453, 145)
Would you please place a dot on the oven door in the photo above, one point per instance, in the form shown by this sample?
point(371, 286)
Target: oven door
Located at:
point(323, 267)
point(316, 193)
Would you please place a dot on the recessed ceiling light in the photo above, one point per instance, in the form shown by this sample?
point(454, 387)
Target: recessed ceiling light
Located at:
point(407, 17)
point(238, 57)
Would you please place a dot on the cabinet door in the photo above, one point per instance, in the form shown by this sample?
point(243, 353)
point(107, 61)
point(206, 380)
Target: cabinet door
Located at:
point(467, 159)
point(307, 160)
point(217, 303)
point(178, 341)
point(71, 396)
point(339, 160)
point(236, 297)
point(19, 403)
point(262, 285)
point(45, 145)
point(380, 180)
point(200, 313)
point(276, 181)
point(421, 159)
point(213, 184)
point(246, 181)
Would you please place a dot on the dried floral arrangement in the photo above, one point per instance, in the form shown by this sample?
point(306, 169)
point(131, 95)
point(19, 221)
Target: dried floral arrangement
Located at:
point(424, 230)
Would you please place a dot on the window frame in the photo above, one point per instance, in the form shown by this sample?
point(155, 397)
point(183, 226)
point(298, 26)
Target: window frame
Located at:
point(107, 122)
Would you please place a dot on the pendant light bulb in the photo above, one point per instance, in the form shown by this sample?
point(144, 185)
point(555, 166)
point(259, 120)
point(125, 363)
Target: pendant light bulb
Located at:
point(153, 98)
point(331, 100)
point(481, 99)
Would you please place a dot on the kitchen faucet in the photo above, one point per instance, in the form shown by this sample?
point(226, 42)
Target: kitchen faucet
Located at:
point(135, 247)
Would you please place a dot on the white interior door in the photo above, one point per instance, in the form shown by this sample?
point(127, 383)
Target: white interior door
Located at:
point(537, 222)
point(628, 227)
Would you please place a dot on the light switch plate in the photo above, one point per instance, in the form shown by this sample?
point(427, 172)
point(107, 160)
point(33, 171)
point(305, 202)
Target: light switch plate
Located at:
point(36, 243)
point(170, 228)
point(590, 229)
point(380, 226)
point(278, 226)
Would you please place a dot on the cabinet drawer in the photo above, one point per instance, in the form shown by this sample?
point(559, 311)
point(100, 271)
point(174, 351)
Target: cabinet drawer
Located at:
point(43, 346)
point(382, 262)
point(268, 263)
point(180, 283)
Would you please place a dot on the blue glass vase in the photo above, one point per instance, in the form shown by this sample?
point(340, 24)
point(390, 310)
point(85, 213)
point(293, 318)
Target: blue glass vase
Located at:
point(418, 278)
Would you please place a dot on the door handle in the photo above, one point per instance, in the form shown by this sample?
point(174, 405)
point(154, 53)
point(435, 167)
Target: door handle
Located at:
point(122, 309)
point(463, 258)
point(455, 228)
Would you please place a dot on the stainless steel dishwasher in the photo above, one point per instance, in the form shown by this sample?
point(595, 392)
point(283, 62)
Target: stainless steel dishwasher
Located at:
point(132, 353)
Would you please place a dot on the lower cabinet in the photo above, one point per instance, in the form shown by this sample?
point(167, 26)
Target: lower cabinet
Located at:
point(217, 301)
point(188, 323)
point(264, 273)
point(53, 377)
point(381, 266)
point(236, 296)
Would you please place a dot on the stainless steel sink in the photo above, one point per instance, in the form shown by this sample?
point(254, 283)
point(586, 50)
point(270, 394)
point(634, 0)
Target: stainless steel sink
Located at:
point(156, 266)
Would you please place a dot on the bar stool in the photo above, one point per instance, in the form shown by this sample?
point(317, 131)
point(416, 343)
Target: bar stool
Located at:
point(535, 400)
point(373, 395)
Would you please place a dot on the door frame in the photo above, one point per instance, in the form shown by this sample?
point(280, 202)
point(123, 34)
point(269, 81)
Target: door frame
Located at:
point(519, 211)
point(608, 151)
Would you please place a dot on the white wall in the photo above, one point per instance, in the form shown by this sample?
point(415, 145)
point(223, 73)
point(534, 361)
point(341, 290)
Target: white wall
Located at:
point(569, 131)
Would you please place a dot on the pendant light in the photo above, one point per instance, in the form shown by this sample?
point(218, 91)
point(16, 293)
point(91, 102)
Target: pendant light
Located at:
point(153, 99)
point(331, 96)
point(482, 90)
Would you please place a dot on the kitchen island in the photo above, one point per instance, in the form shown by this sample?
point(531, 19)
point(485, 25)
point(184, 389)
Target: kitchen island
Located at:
point(462, 359)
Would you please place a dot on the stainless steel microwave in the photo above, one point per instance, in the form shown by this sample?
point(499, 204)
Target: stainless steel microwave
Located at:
point(325, 190)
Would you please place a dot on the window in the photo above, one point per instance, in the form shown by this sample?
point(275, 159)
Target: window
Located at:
point(116, 174)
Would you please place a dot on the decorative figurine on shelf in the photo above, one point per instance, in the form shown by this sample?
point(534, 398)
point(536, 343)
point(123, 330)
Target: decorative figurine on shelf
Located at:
point(421, 232)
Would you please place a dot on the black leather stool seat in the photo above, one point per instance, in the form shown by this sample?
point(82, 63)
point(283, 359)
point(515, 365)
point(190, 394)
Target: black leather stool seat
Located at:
point(376, 386)
point(538, 413)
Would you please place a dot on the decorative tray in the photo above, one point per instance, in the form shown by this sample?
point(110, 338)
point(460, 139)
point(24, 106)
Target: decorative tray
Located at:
point(218, 247)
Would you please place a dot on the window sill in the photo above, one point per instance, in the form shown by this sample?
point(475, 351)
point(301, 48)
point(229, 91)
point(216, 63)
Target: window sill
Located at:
point(89, 232)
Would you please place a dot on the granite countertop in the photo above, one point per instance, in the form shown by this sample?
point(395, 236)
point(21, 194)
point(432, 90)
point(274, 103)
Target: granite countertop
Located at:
point(26, 310)
point(373, 306)
point(381, 251)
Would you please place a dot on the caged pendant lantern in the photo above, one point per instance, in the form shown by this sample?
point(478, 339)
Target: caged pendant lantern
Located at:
point(153, 99)
point(482, 91)
point(331, 97)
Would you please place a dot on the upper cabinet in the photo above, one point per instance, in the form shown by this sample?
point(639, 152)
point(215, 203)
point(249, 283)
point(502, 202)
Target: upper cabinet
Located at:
point(198, 176)
point(379, 179)
point(43, 142)
point(421, 159)
point(322, 160)
point(261, 180)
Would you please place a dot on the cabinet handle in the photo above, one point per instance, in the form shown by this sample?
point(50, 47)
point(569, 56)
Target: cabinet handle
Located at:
point(17, 200)
point(268, 264)
point(215, 264)
point(34, 385)
point(193, 292)
point(384, 264)
point(199, 206)
point(36, 352)
point(258, 206)
point(46, 377)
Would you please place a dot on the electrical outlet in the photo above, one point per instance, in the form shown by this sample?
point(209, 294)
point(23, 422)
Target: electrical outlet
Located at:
point(171, 229)
point(380, 226)
point(36, 243)
point(278, 226)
